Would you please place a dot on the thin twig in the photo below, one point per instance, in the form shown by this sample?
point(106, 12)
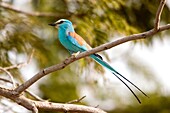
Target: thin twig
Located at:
point(30, 56)
point(76, 101)
point(158, 14)
point(38, 14)
point(10, 75)
point(35, 96)
point(20, 65)
point(27, 91)
point(17, 66)
point(5, 80)
point(96, 106)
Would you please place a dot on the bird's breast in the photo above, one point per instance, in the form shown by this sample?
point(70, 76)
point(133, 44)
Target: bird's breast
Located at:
point(64, 40)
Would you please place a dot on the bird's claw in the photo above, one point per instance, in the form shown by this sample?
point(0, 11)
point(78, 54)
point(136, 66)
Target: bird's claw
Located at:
point(75, 54)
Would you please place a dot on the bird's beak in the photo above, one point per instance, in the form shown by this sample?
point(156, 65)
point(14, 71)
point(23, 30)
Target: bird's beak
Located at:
point(53, 24)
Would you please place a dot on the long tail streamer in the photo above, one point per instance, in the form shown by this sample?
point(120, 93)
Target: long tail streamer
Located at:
point(117, 74)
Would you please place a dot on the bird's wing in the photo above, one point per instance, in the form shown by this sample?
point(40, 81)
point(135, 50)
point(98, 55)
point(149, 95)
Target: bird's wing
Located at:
point(78, 42)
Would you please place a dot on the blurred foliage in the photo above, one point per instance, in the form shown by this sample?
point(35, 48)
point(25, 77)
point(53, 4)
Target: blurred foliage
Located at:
point(99, 20)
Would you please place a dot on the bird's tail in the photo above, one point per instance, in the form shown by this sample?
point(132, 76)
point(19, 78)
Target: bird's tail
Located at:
point(99, 60)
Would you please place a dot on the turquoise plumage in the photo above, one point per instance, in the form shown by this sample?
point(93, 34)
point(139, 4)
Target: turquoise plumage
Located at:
point(75, 43)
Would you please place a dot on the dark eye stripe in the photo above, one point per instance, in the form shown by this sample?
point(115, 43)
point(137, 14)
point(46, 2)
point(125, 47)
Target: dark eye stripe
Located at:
point(60, 22)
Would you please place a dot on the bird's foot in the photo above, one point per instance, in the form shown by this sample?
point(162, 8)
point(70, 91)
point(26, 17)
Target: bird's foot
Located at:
point(75, 54)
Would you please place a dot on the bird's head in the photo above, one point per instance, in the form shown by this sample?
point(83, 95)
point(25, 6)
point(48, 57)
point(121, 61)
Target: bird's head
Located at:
point(62, 23)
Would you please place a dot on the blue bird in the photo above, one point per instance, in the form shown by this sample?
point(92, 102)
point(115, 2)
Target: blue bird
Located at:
point(74, 43)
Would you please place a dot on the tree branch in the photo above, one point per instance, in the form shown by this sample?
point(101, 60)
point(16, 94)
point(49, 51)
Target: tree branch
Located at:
point(67, 107)
point(21, 100)
point(158, 14)
point(38, 14)
point(44, 105)
point(27, 91)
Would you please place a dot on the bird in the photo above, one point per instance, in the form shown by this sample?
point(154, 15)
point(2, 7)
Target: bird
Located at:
point(75, 44)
